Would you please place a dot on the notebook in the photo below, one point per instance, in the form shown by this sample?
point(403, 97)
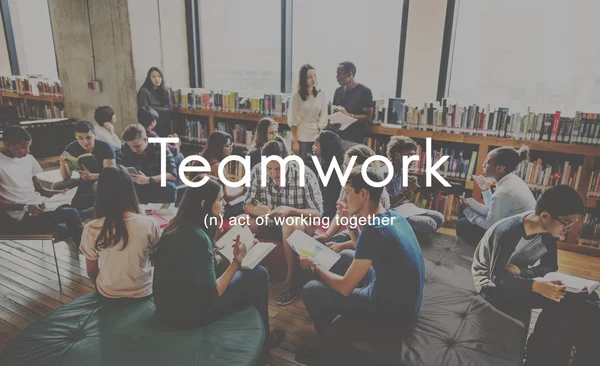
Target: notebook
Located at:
point(58, 200)
point(307, 246)
point(574, 284)
point(256, 252)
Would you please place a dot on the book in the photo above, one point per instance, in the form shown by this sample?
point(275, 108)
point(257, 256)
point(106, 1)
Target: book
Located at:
point(88, 160)
point(574, 284)
point(409, 209)
point(58, 200)
point(307, 246)
point(344, 120)
point(256, 251)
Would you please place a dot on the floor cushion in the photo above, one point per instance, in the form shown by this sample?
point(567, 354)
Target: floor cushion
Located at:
point(88, 332)
point(455, 326)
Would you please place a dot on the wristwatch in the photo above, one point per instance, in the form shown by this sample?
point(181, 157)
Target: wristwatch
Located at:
point(151, 180)
point(26, 209)
point(312, 268)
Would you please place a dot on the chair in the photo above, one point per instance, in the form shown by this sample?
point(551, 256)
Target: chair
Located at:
point(40, 237)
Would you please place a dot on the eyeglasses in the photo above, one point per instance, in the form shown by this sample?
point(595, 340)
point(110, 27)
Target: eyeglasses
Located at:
point(568, 224)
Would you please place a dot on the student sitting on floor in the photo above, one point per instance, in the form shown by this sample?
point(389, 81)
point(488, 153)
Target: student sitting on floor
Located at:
point(512, 195)
point(187, 291)
point(118, 242)
point(278, 201)
point(137, 153)
point(147, 117)
point(347, 239)
point(505, 271)
point(218, 147)
point(382, 282)
point(328, 148)
point(106, 118)
point(86, 143)
point(397, 148)
point(22, 195)
point(266, 130)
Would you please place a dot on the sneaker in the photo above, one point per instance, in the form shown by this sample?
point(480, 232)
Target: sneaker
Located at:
point(287, 294)
point(306, 354)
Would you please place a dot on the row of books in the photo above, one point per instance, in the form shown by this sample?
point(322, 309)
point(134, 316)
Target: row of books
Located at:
point(31, 85)
point(241, 134)
point(448, 205)
point(589, 234)
point(225, 101)
point(37, 111)
point(594, 186)
point(190, 128)
point(584, 128)
point(539, 175)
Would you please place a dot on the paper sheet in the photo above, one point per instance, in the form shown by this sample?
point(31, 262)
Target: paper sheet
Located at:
point(409, 210)
point(344, 120)
point(58, 200)
point(306, 246)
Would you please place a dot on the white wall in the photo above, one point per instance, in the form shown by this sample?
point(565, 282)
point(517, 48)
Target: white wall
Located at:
point(164, 46)
point(424, 36)
point(4, 60)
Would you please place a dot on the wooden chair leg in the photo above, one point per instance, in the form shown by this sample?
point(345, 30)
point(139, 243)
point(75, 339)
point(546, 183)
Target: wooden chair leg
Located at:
point(56, 263)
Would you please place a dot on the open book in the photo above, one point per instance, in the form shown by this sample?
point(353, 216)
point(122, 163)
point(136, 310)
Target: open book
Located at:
point(58, 200)
point(574, 284)
point(409, 209)
point(84, 159)
point(341, 118)
point(307, 246)
point(256, 252)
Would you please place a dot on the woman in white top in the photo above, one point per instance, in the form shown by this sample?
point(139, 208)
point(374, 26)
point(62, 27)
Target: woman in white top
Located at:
point(105, 118)
point(511, 197)
point(117, 244)
point(307, 116)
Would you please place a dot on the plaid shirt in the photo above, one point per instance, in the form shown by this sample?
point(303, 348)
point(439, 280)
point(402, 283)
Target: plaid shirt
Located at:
point(292, 195)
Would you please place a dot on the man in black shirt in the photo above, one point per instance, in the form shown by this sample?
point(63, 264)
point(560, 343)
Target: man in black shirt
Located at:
point(137, 153)
point(354, 100)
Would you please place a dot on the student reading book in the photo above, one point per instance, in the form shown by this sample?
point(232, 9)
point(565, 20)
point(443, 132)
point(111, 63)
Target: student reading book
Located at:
point(187, 290)
point(84, 161)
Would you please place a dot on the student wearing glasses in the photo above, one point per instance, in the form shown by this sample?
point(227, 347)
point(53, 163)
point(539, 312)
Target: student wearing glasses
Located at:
point(511, 197)
point(508, 262)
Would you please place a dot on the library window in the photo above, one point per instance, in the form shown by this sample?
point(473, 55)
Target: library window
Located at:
point(241, 42)
point(367, 33)
point(34, 42)
point(516, 54)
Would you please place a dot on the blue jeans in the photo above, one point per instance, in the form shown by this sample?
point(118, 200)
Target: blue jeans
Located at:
point(247, 288)
point(154, 193)
point(324, 304)
point(427, 222)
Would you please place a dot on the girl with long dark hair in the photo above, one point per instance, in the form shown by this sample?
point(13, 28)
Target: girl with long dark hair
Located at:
point(266, 130)
point(118, 242)
point(307, 115)
point(218, 147)
point(155, 94)
point(328, 148)
point(187, 290)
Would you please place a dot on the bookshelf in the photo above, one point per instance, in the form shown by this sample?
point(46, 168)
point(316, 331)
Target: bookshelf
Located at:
point(32, 107)
point(587, 160)
point(481, 144)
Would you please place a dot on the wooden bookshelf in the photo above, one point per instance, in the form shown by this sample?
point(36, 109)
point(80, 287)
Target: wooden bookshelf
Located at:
point(8, 97)
point(486, 143)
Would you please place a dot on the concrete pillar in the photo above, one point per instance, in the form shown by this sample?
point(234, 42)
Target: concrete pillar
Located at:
point(112, 55)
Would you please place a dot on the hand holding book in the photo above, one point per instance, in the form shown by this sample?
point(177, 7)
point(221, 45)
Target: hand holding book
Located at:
point(239, 250)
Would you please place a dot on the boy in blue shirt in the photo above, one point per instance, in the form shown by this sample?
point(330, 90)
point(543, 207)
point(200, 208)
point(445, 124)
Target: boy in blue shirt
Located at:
point(382, 280)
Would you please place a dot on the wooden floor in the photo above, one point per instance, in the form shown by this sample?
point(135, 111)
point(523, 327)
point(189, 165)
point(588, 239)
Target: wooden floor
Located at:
point(29, 289)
